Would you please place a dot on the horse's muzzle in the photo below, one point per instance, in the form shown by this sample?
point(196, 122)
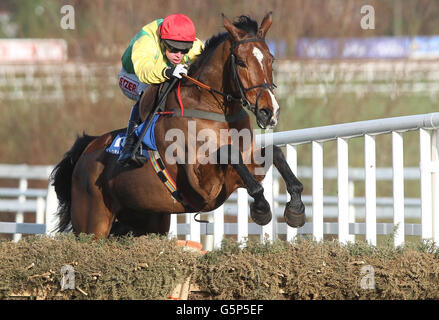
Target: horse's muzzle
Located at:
point(266, 119)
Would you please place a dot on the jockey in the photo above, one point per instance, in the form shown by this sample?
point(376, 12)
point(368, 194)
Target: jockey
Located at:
point(157, 53)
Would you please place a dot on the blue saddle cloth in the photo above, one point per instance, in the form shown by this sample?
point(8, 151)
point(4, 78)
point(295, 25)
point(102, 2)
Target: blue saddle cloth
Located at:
point(148, 140)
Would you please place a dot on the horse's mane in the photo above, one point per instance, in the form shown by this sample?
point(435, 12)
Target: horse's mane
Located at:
point(243, 22)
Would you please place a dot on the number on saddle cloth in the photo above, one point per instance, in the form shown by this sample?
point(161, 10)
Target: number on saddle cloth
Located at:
point(148, 141)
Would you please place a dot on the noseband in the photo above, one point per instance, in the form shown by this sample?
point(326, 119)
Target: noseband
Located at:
point(265, 86)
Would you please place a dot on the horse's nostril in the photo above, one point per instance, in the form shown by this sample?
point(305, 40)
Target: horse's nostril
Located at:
point(266, 113)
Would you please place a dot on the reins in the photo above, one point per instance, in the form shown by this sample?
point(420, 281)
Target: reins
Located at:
point(228, 97)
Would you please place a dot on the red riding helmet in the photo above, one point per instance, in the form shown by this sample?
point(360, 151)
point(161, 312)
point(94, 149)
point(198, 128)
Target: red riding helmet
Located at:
point(178, 30)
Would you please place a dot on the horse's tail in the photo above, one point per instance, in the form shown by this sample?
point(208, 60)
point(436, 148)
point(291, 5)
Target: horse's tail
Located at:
point(61, 179)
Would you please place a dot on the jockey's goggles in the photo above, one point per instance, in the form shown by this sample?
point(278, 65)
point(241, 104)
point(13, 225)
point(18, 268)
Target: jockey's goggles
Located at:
point(175, 50)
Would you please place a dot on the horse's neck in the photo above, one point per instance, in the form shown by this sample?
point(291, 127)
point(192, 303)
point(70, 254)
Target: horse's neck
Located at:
point(212, 75)
point(212, 72)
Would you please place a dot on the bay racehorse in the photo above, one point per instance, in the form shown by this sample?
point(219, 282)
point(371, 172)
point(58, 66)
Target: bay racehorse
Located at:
point(233, 73)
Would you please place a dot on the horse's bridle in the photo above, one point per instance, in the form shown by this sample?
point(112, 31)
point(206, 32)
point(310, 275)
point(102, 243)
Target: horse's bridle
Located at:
point(265, 86)
point(228, 97)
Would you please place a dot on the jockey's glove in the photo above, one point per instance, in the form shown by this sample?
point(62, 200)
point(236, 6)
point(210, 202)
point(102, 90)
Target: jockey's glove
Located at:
point(175, 72)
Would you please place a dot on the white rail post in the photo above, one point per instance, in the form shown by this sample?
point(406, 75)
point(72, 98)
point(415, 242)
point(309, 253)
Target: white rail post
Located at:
point(317, 190)
point(218, 227)
point(292, 162)
point(188, 218)
point(194, 228)
point(39, 214)
point(398, 187)
point(51, 208)
point(370, 188)
point(242, 215)
point(276, 187)
point(208, 239)
point(19, 216)
point(343, 190)
point(352, 210)
point(270, 228)
point(435, 183)
point(173, 227)
point(426, 199)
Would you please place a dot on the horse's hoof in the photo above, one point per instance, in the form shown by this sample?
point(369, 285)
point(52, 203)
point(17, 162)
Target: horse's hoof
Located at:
point(295, 217)
point(260, 214)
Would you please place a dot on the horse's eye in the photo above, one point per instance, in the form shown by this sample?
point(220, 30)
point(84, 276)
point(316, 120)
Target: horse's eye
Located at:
point(241, 63)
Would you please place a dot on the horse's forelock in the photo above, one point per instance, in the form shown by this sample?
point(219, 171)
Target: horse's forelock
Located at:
point(246, 24)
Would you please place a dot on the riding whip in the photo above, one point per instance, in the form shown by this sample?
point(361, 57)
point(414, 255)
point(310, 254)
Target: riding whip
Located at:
point(167, 86)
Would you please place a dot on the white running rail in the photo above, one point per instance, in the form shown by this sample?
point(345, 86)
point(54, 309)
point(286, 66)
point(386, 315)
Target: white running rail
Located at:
point(426, 124)
point(345, 207)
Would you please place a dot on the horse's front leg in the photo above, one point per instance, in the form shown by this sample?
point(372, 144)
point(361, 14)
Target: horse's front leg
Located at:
point(295, 210)
point(260, 211)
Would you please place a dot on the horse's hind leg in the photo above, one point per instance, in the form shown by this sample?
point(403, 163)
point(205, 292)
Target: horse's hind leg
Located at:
point(89, 213)
point(91, 217)
point(295, 210)
point(260, 209)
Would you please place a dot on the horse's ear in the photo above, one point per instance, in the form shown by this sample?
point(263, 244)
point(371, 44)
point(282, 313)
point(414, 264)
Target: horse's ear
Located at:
point(236, 33)
point(265, 25)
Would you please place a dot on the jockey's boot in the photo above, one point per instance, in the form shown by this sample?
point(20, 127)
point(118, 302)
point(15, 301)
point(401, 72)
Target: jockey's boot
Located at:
point(128, 154)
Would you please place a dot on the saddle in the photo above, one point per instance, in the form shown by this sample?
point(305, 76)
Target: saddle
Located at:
point(147, 105)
